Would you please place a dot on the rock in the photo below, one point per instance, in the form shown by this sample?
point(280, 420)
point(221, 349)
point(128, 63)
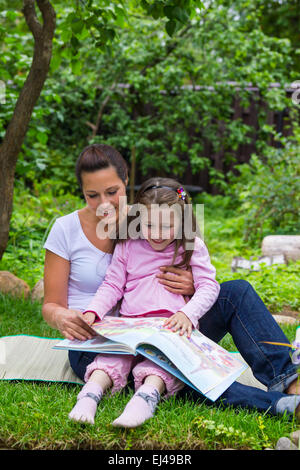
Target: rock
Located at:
point(288, 245)
point(11, 284)
point(254, 265)
point(295, 437)
point(37, 292)
point(284, 443)
point(285, 319)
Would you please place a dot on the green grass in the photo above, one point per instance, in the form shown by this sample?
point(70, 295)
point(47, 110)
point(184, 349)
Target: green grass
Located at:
point(33, 415)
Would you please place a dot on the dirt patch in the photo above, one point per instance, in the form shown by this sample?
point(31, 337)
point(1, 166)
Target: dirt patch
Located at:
point(286, 311)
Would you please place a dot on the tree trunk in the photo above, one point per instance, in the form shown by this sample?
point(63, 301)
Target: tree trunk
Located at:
point(17, 128)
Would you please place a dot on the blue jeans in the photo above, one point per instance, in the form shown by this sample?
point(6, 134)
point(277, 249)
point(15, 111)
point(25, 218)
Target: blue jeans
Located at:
point(240, 312)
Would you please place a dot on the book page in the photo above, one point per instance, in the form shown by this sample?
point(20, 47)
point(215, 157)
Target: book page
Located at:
point(197, 360)
point(204, 363)
point(96, 344)
point(130, 331)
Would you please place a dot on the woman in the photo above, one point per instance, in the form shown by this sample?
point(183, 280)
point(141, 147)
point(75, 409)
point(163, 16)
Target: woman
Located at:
point(76, 261)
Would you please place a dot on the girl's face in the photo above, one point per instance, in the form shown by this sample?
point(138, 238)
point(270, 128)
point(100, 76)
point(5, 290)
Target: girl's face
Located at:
point(159, 227)
point(102, 190)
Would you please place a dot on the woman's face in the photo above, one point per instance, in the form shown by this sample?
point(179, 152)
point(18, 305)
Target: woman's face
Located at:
point(102, 190)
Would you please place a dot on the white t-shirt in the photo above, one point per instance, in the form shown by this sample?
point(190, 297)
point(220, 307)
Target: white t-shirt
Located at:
point(88, 264)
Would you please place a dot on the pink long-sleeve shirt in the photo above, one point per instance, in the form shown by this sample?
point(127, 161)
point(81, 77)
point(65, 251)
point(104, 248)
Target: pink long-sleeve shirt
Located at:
point(132, 275)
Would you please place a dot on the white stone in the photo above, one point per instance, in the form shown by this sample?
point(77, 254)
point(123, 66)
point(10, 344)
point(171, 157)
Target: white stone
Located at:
point(288, 245)
point(255, 265)
point(284, 443)
point(285, 319)
point(11, 284)
point(295, 437)
point(37, 292)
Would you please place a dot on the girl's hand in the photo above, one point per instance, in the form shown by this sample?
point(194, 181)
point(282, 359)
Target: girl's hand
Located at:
point(72, 325)
point(177, 280)
point(179, 321)
point(89, 317)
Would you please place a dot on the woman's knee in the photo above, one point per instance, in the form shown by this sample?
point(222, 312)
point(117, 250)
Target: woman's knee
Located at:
point(79, 361)
point(235, 286)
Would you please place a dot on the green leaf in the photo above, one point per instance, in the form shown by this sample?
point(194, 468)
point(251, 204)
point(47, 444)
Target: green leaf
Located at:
point(170, 27)
point(155, 10)
point(76, 67)
point(77, 26)
point(55, 62)
point(66, 34)
point(169, 11)
point(42, 137)
point(74, 42)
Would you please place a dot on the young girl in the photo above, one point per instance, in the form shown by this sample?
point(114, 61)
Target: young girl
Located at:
point(161, 240)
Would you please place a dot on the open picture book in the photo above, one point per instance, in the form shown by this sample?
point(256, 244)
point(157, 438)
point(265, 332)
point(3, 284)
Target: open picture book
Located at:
point(197, 361)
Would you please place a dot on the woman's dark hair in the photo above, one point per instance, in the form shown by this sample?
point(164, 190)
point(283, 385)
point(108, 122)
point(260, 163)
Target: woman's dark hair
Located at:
point(159, 191)
point(97, 157)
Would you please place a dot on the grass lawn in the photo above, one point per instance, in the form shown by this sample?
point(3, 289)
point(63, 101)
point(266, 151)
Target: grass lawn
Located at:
point(34, 415)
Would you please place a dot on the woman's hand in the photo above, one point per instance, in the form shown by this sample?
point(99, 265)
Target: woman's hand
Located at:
point(179, 321)
point(177, 280)
point(72, 325)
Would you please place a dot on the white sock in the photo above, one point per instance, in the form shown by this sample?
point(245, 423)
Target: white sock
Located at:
point(140, 408)
point(87, 401)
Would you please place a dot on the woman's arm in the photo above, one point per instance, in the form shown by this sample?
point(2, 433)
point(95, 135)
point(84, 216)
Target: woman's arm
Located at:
point(55, 307)
point(177, 280)
point(112, 288)
point(206, 286)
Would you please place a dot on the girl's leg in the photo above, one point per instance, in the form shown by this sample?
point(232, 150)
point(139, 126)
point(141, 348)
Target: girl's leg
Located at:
point(104, 372)
point(143, 403)
point(89, 397)
point(150, 382)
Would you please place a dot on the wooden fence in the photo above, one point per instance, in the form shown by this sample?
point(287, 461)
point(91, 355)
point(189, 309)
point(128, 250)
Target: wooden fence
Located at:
point(279, 120)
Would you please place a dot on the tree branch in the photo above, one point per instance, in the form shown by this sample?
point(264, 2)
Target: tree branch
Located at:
point(18, 125)
point(48, 17)
point(31, 19)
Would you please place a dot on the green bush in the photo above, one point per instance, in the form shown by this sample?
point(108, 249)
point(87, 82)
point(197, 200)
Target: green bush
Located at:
point(268, 189)
point(224, 224)
point(172, 126)
point(34, 213)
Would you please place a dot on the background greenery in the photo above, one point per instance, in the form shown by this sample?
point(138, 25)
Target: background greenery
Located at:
point(139, 92)
point(144, 82)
